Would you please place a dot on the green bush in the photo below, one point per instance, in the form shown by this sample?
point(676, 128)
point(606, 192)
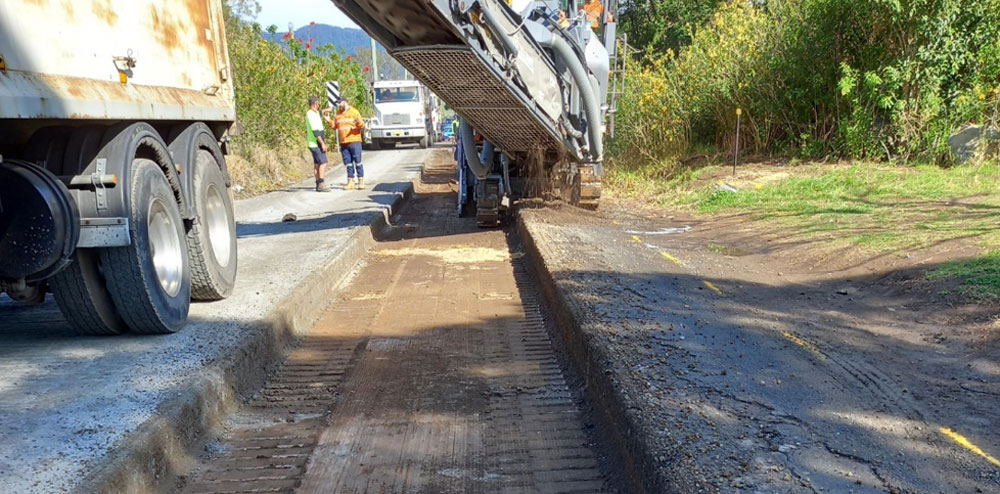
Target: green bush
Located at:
point(874, 79)
point(273, 83)
point(659, 25)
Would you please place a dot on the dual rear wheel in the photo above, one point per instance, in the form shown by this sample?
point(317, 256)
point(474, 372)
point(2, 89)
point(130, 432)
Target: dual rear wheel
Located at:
point(147, 286)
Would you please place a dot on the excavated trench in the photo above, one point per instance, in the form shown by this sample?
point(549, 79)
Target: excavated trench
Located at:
point(435, 370)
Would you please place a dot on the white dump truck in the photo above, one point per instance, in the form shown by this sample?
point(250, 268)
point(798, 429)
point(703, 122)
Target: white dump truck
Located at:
point(404, 113)
point(114, 193)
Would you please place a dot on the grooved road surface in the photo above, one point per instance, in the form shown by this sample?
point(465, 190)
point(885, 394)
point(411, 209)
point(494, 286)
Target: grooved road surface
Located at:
point(432, 372)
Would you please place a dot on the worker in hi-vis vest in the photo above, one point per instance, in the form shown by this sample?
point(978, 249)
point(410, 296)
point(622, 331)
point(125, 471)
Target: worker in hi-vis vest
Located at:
point(349, 123)
point(316, 137)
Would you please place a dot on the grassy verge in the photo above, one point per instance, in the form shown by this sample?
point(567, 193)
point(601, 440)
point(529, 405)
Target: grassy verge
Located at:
point(980, 276)
point(257, 169)
point(873, 207)
point(272, 83)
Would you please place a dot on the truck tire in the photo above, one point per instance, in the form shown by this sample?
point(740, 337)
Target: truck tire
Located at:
point(150, 280)
point(83, 298)
point(79, 289)
point(47, 147)
point(211, 241)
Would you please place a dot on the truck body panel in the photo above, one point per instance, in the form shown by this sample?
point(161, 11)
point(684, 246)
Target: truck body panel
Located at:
point(171, 55)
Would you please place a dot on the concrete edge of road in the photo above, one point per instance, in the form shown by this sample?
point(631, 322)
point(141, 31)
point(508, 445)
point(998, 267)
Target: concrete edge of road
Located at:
point(155, 456)
point(632, 455)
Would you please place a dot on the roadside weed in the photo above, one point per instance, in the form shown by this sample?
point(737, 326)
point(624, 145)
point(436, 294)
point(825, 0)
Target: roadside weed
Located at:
point(876, 209)
point(980, 276)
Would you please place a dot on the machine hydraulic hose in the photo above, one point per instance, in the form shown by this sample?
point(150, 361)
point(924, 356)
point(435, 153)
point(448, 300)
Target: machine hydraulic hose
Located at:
point(487, 155)
point(566, 55)
point(498, 31)
point(478, 168)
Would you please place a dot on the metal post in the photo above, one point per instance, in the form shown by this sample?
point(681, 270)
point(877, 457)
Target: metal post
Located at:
point(736, 152)
point(374, 61)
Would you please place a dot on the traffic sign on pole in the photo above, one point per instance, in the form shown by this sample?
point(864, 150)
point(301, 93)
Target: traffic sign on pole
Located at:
point(332, 93)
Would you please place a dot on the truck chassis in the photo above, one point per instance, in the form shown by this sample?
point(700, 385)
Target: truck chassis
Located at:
point(114, 191)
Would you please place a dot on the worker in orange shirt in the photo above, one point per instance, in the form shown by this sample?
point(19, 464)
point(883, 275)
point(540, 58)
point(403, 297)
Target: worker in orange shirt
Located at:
point(349, 123)
point(593, 10)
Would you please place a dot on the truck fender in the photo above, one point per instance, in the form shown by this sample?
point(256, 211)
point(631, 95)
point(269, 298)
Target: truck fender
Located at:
point(122, 144)
point(184, 142)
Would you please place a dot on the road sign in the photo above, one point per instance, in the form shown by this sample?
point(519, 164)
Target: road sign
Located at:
point(332, 93)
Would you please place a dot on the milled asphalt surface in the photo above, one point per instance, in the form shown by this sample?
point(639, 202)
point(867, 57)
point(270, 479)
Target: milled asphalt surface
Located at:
point(68, 402)
point(432, 372)
point(720, 383)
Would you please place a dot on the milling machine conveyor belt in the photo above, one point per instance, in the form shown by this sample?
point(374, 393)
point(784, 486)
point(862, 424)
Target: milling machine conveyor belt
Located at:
point(491, 106)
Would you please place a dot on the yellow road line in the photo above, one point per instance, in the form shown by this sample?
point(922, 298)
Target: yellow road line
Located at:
point(712, 287)
point(967, 444)
point(804, 344)
point(667, 256)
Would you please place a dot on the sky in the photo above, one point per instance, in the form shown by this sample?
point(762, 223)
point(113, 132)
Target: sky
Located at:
point(301, 13)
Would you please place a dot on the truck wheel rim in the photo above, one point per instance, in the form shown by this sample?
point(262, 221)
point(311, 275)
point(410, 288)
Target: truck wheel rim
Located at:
point(217, 221)
point(165, 248)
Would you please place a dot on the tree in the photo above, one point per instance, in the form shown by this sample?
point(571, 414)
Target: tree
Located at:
point(244, 9)
point(388, 68)
point(658, 25)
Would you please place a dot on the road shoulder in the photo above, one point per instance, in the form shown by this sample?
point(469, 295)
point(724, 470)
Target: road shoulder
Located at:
point(718, 375)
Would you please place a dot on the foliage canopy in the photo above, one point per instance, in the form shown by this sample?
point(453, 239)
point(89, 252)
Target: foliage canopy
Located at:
point(873, 79)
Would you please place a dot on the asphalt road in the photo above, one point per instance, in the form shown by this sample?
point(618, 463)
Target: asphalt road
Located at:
point(743, 372)
point(68, 401)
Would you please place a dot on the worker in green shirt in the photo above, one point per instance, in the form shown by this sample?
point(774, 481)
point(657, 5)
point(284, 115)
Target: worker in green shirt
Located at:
point(316, 138)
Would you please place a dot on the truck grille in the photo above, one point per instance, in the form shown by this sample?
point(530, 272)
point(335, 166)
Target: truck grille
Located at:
point(457, 76)
point(397, 119)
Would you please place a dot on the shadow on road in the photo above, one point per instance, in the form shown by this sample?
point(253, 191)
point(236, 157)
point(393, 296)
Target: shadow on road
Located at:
point(737, 389)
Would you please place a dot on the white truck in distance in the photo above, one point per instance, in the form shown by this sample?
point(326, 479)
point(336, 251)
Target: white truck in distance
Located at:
point(404, 113)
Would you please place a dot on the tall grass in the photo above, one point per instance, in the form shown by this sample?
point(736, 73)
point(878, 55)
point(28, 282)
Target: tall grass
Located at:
point(884, 80)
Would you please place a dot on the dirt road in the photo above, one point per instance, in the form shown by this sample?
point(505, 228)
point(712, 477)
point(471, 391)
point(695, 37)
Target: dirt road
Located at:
point(433, 372)
point(749, 368)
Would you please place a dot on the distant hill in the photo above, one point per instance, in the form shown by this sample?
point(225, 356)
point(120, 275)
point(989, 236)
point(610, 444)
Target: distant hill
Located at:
point(354, 42)
point(347, 39)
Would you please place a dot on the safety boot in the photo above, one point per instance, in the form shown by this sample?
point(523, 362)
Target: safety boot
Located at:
point(349, 185)
point(361, 183)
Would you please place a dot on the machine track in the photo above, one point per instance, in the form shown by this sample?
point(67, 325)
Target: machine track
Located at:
point(433, 372)
point(269, 441)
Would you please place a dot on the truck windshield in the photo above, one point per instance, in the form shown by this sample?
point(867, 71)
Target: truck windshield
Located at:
point(405, 94)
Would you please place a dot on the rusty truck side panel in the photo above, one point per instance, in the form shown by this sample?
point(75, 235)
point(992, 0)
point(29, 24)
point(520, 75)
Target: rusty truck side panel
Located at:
point(67, 59)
